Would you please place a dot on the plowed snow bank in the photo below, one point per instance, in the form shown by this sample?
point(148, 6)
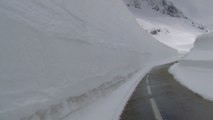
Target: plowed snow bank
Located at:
point(195, 71)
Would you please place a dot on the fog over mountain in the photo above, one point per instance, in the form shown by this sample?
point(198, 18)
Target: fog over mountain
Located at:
point(198, 10)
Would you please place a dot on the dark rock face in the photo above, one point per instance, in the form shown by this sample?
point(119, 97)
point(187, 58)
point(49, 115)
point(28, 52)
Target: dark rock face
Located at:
point(155, 31)
point(162, 6)
point(134, 3)
point(168, 8)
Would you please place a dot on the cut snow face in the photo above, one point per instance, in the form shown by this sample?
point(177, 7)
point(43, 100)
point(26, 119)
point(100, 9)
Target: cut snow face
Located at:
point(166, 23)
point(195, 70)
point(55, 55)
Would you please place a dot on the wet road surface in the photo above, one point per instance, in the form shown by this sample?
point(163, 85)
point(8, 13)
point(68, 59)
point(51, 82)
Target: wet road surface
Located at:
point(160, 97)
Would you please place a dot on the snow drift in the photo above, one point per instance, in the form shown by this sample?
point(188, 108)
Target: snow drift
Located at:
point(195, 70)
point(59, 52)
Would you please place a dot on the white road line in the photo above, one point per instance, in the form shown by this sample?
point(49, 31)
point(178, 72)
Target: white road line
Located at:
point(153, 103)
point(149, 90)
point(147, 81)
point(155, 110)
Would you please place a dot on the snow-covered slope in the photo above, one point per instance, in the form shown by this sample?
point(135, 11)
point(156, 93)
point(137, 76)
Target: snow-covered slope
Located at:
point(195, 71)
point(166, 23)
point(56, 54)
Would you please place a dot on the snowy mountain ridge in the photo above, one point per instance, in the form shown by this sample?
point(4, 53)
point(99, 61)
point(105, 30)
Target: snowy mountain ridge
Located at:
point(165, 22)
point(164, 7)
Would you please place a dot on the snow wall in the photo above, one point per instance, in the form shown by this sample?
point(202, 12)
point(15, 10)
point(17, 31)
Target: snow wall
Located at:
point(195, 71)
point(64, 50)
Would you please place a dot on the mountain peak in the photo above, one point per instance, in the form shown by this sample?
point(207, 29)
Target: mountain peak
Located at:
point(164, 7)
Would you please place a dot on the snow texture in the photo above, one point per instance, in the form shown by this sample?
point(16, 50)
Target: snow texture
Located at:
point(195, 70)
point(167, 24)
point(58, 56)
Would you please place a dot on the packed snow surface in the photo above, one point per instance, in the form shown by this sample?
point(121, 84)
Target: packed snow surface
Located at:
point(195, 71)
point(60, 55)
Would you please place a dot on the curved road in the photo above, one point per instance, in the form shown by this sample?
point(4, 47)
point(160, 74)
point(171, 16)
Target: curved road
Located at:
point(160, 97)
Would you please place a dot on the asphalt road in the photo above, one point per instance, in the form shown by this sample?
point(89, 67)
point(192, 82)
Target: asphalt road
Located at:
point(160, 97)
